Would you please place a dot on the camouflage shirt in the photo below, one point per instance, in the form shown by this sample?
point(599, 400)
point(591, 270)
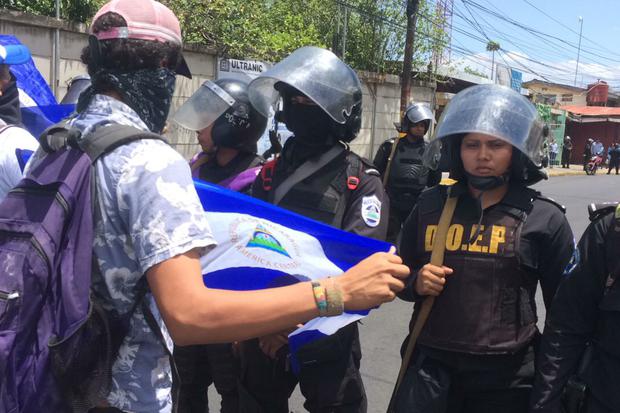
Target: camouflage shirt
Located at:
point(146, 211)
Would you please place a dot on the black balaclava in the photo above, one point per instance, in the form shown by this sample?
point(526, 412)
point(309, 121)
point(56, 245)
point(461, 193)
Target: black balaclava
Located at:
point(312, 130)
point(10, 111)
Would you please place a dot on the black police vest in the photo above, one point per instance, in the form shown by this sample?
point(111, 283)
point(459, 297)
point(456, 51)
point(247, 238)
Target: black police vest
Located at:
point(608, 336)
point(487, 305)
point(324, 195)
point(408, 176)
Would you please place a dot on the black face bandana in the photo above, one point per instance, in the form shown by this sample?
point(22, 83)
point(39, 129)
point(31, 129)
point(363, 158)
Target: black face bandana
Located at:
point(309, 123)
point(147, 91)
point(9, 104)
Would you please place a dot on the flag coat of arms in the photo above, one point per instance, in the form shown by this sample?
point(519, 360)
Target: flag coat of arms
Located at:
point(263, 246)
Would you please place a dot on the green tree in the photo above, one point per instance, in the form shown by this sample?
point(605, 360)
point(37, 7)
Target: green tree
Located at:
point(76, 10)
point(370, 33)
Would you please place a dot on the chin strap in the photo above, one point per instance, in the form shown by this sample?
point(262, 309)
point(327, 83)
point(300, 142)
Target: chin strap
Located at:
point(483, 184)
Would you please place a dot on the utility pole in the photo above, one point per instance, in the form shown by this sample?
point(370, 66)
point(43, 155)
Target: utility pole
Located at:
point(578, 49)
point(412, 11)
point(56, 53)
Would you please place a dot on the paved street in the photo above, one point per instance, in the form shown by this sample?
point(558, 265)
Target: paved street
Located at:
point(383, 331)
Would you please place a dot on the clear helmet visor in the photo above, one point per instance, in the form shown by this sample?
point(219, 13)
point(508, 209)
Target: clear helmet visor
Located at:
point(491, 110)
point(203, 108)
point(419, 112)
point(317, 73)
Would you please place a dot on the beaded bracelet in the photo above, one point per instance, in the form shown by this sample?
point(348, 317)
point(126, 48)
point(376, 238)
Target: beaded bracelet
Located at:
point(335, 304)
point(320, 297)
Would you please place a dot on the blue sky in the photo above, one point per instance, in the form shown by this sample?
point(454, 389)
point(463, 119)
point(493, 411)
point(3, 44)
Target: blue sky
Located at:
point(547, 45)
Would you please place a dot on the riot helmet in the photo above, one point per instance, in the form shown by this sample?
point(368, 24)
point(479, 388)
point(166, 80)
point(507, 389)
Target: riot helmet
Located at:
point(224, 103)
point(416, 112)
point(496, 111)
point(320, 76)
point(77, 85)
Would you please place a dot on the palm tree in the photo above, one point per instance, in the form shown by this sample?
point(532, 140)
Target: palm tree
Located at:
point(492, 47)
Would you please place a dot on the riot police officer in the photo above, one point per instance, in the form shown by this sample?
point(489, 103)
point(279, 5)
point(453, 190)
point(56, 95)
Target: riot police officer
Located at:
point(407, 176)
point(580, 350)
point(228, 127)
point(316, 175)
point(476, 351)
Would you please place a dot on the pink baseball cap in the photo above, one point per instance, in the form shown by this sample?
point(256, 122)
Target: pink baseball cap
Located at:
point(146, 20)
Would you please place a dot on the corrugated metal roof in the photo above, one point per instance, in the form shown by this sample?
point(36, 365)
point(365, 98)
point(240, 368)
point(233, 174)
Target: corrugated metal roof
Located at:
point(592, 110)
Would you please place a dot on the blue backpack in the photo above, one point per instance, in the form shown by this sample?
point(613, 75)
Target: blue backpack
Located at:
point(57, 343)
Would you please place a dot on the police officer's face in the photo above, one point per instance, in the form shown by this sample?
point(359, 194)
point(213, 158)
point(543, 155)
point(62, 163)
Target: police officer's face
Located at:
point(485, 155)
point(205, 140)
point(418, 129)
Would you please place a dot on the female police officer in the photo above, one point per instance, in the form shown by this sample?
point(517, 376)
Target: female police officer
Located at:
point(475, 353)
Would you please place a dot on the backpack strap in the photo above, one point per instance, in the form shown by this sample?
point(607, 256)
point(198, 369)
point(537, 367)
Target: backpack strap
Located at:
point(106, 138)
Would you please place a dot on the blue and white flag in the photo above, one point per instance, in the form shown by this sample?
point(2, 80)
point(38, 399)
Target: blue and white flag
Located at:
point(39, 107)
point(263, 246)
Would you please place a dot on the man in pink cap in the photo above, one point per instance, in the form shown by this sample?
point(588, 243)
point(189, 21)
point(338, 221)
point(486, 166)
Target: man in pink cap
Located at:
point(149, 223)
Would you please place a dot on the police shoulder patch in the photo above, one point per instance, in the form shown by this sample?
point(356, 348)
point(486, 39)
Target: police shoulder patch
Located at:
point(371, 210)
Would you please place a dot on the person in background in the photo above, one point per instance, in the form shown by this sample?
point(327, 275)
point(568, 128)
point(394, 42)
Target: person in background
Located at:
point(408, 177)
point(614, 158)
point(587, 152)
point(567, 149)
point(16, 143)
point(553, 153)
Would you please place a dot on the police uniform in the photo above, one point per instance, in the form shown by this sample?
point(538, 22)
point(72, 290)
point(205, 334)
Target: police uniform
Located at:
point(211, 171)
point(586, 310)
point(475, 352)
point(407, 178)
point(346, 193)
point(202, 365)
point(223, 106)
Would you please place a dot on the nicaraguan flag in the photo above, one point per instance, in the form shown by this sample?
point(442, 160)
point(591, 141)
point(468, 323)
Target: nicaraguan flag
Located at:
point(262, 246)
point(39, 107)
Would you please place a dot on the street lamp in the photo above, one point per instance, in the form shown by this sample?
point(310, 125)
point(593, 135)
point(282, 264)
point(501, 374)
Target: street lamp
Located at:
point(579, 48)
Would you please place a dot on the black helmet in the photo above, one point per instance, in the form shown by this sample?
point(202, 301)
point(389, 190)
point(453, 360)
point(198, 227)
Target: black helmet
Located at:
point(492, 110)
point(416, 112)
point(225, 104)
point(77, 85)
point(319, 75)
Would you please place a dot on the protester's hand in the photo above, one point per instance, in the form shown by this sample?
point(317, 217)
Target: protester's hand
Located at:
point(272, 343)
point(373, 281)
point(431, 279)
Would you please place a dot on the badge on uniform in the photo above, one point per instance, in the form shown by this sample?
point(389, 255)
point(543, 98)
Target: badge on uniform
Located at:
point(371, 210)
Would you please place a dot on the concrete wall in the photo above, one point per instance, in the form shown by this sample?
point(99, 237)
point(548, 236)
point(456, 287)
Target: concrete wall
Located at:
point(381, 99)
point(381, 109)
